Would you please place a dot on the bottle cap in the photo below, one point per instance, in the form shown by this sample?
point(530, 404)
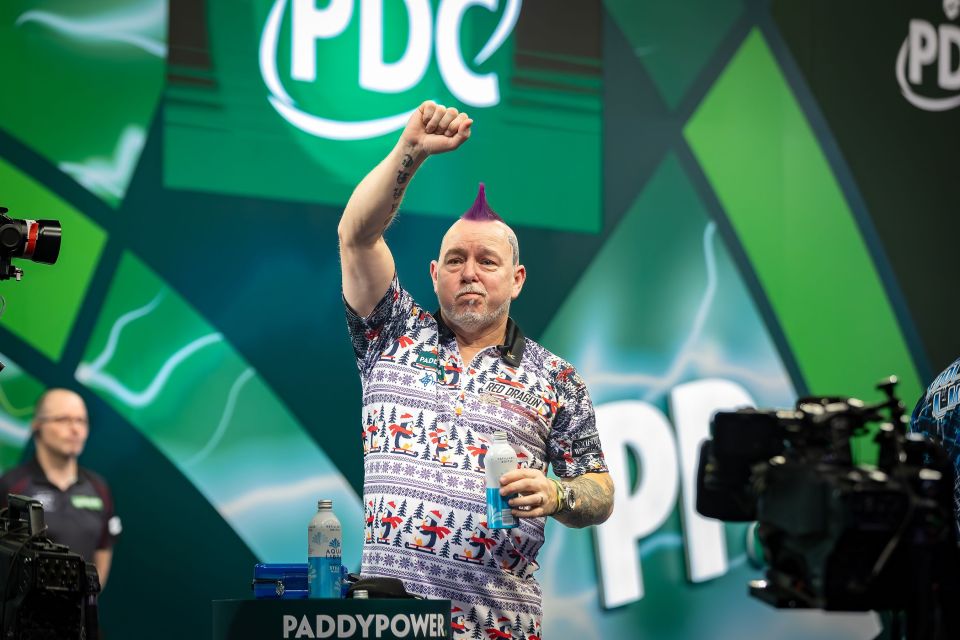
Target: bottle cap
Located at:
point(361, 594)
point(324, 504)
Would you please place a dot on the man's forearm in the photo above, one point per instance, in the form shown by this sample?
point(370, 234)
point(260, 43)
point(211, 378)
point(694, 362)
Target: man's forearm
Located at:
point(102, 558)
point(375, 201)
point(593, 500)
point(366, 263)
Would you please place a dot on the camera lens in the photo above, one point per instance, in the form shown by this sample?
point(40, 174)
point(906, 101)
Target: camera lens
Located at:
point(37, 240)
point(47, 246)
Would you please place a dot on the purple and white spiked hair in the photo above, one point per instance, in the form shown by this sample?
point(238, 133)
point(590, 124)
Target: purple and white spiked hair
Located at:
point(480, 211)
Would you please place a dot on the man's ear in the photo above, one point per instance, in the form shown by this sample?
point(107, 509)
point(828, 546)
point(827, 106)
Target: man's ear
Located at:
point(433, 274)
point(519, 277)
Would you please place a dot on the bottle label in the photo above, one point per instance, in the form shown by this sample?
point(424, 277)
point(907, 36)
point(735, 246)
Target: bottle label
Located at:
point(498, 511)
point(324, 539)
point(323, 556)
point(323, 576)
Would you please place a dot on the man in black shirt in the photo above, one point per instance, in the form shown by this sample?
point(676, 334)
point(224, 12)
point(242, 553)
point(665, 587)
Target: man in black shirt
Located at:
point(77, 505)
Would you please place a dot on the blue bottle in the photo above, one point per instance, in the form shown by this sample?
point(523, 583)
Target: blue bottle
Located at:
point(324, 545)
point(500, 459)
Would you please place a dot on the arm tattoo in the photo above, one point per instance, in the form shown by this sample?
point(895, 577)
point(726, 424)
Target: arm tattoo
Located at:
point(403, 178)
point(593, 500)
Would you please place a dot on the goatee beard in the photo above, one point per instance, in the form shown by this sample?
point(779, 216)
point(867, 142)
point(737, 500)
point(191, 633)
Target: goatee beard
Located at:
point(473, 321)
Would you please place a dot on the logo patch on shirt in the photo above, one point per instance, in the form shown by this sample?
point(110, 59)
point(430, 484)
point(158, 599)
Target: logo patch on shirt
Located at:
point(531, 400)
point(93, 503)
point(583, 446)
point(426, 359)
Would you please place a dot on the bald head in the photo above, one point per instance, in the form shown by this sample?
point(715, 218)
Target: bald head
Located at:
point(54, 398)
point(499, 229)
point(480, 211)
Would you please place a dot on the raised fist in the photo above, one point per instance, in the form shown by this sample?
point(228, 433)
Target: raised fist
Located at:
point(437, 129)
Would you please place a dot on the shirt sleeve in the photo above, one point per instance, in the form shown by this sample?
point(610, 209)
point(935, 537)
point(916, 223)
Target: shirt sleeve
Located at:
point(371, 335)
point(574, 443)
point(110, 527)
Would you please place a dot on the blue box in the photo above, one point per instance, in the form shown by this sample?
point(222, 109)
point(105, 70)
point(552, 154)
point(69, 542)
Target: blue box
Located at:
point(280, 581)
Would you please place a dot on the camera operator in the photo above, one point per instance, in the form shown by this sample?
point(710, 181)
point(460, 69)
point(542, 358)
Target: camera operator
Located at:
point(937, 416)
point(77, 504)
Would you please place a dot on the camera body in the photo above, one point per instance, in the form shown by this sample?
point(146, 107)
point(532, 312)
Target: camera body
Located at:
point(48, 591)
point(835, 535)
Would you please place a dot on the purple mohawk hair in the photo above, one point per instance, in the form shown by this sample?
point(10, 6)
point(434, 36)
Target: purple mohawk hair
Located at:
point(481, 211)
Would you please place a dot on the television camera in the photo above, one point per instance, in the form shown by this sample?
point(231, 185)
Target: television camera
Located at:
point(836, 535)
point(49, 592)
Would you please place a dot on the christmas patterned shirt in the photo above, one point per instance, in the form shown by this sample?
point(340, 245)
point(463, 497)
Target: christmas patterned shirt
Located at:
point(937, 416)
point(428, 421)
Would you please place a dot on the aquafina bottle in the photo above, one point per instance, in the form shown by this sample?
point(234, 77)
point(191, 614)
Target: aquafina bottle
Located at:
point(324, 545)
point(500, 459)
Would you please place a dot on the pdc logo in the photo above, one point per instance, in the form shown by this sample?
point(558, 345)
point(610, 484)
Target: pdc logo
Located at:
point(429, 37)
point(934, 51)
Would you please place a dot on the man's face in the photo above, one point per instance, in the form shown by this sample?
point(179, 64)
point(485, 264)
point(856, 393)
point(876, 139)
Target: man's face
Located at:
point(475, 278)
point(61, 424)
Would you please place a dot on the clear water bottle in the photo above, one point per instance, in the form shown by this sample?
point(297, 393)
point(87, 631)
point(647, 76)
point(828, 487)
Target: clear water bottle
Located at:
point(500, 459)
point(324, 545)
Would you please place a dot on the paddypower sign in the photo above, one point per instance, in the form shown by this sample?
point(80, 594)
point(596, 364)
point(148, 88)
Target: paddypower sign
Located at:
point(299, 100)
point(371, 625)
point(353, 619)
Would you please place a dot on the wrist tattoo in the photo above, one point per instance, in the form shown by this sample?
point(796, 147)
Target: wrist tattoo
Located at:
point(593, 502)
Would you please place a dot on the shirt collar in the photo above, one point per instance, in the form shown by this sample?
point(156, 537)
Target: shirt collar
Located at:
point(511, 351)
point(39, 475)
point(36, 471)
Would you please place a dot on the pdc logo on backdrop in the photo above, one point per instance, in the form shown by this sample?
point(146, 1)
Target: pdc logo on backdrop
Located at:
point(930, 49)
point(429, 36)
